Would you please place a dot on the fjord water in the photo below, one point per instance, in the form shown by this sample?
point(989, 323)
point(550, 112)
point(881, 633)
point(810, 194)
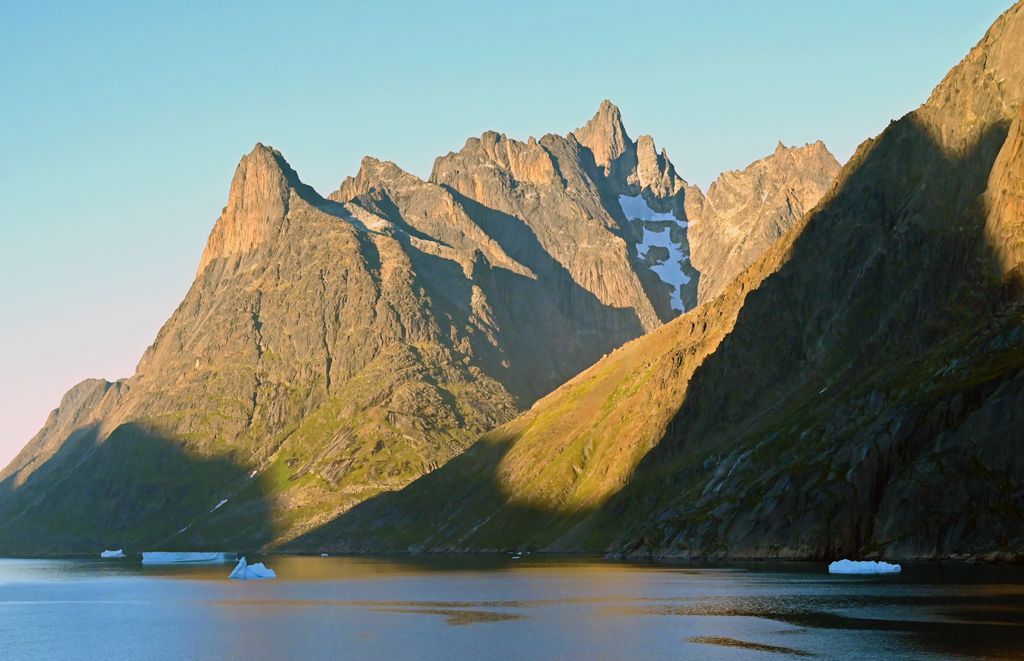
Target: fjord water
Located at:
point(499, 607)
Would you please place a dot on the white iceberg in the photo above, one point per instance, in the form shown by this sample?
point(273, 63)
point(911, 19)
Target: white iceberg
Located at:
point(245, 571)
point(119, 553)
point(186, 557)
point(219, 505)
point(863, 567)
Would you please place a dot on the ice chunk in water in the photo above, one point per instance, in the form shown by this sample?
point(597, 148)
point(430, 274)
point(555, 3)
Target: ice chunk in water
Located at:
point(244, 571)
point(183, 557)
point(863, 567)
point(119, 553)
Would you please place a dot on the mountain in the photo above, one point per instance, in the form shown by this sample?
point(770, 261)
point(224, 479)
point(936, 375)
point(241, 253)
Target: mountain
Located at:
point(778, 190)
point(858, 390)
point(331, 349)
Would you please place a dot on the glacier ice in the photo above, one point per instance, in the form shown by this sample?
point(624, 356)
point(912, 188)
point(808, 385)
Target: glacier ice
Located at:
point(185, 557)
point(245, 571)
point(635, 207)
point(119, 553)
point(670, 271)
point(863, 567)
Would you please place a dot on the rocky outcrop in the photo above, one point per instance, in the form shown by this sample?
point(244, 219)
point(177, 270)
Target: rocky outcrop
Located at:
point(605, 136)
point(257, 204)
point(748, 210)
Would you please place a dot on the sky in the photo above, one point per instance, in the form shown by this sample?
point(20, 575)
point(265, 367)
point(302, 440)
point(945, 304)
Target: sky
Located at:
point(121, 123)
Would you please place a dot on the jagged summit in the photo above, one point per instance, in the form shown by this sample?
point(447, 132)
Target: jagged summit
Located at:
point(605, 135)
point(257, 203)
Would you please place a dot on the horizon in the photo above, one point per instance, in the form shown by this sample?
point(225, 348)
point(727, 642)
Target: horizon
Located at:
point(97, 258)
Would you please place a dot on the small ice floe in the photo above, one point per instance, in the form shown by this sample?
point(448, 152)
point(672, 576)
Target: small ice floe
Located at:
point(185, 528)
point(219, 505)
point(245, 571)
point(252, 474)
point(323, 555)
point(186, 557)
point(119, 553)
point(863, 567)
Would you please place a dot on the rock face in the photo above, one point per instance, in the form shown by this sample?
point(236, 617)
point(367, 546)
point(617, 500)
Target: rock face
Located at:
point(331, 349)
point(777, 190)
point(857, 391)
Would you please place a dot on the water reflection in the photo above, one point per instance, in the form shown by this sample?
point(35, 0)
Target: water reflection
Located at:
point(439, 607)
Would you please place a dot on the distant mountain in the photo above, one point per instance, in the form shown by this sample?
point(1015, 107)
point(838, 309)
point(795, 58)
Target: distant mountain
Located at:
point(857, 391)
point(331, 349)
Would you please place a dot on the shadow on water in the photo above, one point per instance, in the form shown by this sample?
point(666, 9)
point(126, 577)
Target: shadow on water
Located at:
point(136, 490)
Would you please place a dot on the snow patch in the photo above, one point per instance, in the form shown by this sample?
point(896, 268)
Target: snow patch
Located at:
point(252, 474)
point(245, 571)
point(670, 271)
point(863, 567)
point(186, 557)
point(219, 505)
point(119, 553)
point(635, 207)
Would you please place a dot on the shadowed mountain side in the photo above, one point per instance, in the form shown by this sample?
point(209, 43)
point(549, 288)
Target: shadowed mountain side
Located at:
point(892, 425)
point(871, 381)
point(136, 490)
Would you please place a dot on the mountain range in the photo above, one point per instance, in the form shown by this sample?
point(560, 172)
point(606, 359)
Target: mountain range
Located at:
point(856, 391)
point(335, 348)
point(561, 345)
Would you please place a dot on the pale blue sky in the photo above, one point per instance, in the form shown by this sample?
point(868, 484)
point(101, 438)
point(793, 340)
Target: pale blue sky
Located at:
point(121, 123)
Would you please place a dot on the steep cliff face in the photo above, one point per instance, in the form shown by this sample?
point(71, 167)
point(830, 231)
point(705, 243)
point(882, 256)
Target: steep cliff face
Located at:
point(776, 190)
point(333, 349)
point(856, 390)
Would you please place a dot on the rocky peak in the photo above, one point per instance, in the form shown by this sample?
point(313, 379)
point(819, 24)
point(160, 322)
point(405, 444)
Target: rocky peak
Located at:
point(748, 210)
point(983, 90)
point(805, 173)
point(605, 135)
point(374, 173)
point(654, 171)
point(257, 203)
point(527, 162)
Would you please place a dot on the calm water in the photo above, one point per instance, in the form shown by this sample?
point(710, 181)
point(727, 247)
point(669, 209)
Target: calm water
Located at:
point(329, 608)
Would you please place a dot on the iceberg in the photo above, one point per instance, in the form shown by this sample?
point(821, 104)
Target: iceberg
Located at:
point(863, 567)
point(185, 557)
point(119, 553)
point(245, 571)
